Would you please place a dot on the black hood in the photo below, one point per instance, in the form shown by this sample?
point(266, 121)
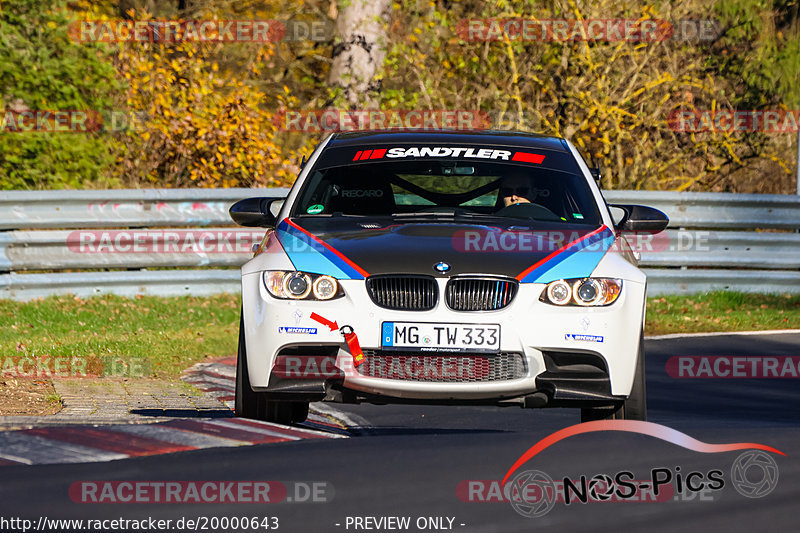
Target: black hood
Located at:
point(384, 246)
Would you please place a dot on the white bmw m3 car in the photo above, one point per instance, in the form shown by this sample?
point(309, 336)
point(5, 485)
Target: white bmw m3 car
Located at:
point(443, 268)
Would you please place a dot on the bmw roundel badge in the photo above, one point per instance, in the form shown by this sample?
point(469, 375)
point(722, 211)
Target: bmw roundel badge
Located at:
point(441, 267)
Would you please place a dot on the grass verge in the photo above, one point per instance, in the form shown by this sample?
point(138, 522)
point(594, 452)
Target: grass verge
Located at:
point(722, 311)
point(134, 337)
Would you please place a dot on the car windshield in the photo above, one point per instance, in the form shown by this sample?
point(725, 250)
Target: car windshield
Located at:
point(448, 188)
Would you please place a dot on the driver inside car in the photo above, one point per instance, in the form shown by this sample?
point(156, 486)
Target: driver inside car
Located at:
point(515, 189)
point(515, 199)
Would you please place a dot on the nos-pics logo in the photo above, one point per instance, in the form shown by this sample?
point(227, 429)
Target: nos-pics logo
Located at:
point(533, 493)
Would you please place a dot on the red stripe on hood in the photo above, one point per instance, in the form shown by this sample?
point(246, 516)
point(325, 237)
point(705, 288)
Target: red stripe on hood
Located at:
point(329, 247)
point(536, 265)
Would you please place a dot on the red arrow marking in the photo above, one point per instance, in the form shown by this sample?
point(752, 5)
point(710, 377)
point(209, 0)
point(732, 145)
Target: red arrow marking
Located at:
point(324, 321)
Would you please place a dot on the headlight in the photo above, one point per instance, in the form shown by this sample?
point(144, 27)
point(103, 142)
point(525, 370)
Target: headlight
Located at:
point(296, 285)
point(325, 288)
point(559, 292)
point(586, 292)
point(292, 285)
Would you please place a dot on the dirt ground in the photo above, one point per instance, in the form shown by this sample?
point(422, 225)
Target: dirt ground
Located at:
point(31, 397)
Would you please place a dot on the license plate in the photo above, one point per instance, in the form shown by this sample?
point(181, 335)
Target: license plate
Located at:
point(433, 337)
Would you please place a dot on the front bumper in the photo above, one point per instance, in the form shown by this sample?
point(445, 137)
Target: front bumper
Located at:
point(571, 354)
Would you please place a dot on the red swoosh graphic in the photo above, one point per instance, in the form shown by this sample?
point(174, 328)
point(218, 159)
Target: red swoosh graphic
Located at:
point(635, 426)
point(533, 267)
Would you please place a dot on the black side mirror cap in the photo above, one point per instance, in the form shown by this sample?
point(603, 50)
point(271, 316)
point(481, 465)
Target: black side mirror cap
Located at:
point(254, 212)
point(641, 218)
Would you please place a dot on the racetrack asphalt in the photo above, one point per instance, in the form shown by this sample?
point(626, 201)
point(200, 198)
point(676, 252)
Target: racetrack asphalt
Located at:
point(414, 461)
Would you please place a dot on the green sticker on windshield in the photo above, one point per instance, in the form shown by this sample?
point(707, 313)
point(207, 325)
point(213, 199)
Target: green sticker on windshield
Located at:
point(577, 215)
point(316, 208)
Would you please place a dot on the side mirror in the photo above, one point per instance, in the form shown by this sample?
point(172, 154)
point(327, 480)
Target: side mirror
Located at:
point(640, 218)
point(254, 212)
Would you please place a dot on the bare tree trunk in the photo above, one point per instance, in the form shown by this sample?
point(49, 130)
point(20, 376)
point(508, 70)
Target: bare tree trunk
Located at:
point(360, 49)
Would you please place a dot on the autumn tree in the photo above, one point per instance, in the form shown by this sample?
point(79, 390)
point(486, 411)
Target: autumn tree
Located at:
point(359, 50)
point(43, 70)
point(612, 98)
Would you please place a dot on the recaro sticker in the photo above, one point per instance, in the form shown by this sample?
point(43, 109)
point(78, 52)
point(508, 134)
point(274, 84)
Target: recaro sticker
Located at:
point(361, 193)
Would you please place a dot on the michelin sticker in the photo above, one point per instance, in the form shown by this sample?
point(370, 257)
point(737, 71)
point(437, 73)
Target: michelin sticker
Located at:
point(581, 337)
point(294, 329)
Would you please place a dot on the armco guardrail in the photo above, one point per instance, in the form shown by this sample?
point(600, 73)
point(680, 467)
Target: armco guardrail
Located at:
point(717, 210)
point(133, 208)
point(134, 248)
point(715, 241)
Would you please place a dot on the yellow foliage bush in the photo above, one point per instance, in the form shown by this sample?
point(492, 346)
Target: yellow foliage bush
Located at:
point(197, 126)
point(613, 99)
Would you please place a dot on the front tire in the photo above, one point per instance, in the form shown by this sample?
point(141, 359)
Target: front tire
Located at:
point(247, 401)
point(634, 407)
point(251, 404)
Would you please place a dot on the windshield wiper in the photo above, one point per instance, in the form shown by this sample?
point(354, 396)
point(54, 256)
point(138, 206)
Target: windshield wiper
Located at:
point(425, 214)
point(449, 215)
point(337, 214)
point(471, 215)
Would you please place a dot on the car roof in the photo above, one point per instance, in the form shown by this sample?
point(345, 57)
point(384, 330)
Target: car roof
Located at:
point(449, 137)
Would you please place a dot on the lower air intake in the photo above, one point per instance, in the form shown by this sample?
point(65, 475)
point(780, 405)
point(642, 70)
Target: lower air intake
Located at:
point(445, 367)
